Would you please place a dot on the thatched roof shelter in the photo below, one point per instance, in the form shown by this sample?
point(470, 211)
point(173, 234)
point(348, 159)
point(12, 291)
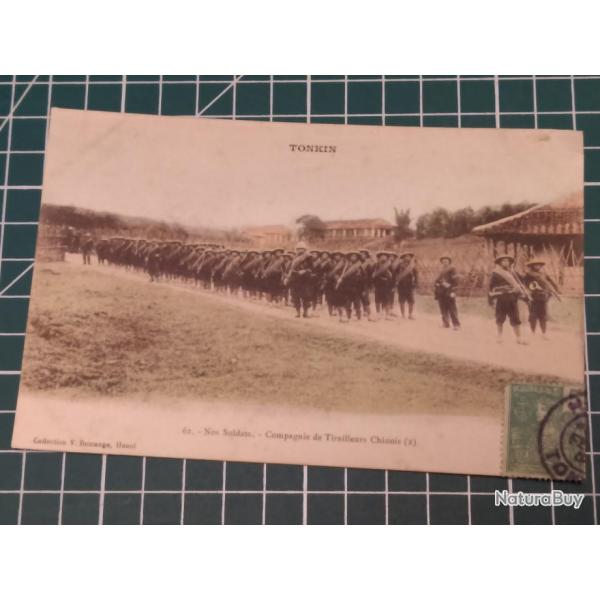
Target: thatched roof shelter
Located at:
point(556, 219)
point(553, 230)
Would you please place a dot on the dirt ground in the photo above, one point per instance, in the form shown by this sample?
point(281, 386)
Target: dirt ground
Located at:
point(103, 331)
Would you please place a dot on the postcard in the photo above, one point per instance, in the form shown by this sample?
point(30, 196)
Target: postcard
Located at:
point(357, 296)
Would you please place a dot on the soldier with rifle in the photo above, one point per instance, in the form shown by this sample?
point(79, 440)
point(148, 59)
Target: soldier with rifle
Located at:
point(322, 266)
point(87, 247)
point(333, 297)
point(350, 285)
point(505, 290)
point(273, 277)
point(299, 279)
point(250, 268)
point(444, 291)
point(541, 287)
point(406, 283)
point(383, 285)
point(368, 264)
point(153, 264)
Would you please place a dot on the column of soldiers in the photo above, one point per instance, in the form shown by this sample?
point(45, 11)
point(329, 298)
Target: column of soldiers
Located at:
point(343, 282)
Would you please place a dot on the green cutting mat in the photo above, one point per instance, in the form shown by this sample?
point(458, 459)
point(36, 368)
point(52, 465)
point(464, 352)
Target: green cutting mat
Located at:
point(38, 487)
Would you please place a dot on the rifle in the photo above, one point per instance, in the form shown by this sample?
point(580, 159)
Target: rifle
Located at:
point(513, 285)
point(294, 267)
point(549, 288)
point(509, 289)
point(348, 268)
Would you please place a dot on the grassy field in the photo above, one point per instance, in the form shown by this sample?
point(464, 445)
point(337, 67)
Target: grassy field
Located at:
point(94, 335)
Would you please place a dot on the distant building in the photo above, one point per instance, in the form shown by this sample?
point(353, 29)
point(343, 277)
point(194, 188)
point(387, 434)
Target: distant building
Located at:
point(268, 235)
point(358, 228)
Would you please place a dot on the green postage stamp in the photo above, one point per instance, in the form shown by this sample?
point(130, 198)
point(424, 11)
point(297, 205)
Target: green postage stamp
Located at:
point(545, 432)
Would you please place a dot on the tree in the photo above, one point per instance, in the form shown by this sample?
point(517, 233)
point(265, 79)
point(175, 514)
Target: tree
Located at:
point(422, 227)
point(438, 224)
point(441, 223)
point(402, 230)
point(461, 222)
point(311, 228)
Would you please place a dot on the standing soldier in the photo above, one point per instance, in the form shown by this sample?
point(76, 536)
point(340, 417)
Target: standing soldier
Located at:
point(272, 277)
point(368, 264)
point(285, 267)
point(315, 282)
point(445, 293)
point(322, 267)
point(332, 294)
point(506, 289)
point(102, 249)
point(263, 265)
point(406, 283)
point(218, 270)
point(383, 284)
point(154, 263)
point(250, 269)
point(299, 279)
point(87, 247)
point(541, 287)
point(232, 276)
point(350, 284)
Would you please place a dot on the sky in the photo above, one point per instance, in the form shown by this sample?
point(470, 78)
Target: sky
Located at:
point(231, 174)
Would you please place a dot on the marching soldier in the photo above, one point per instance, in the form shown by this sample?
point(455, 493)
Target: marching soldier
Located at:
point(315, 284)
point(541, 287)
point(506, 289)
point(445, 293)
point(351, 283)
point(154, 263)
point(383, 285)
point(333, 297)
point(285, 267)
point(266, 258)
point(102, 250)
point(232, 277)
point(368, 264)
point(250, 268)
point(87, 247)
point(218, 270)
point(406, 283)
point(273, 276)
point(299, 279)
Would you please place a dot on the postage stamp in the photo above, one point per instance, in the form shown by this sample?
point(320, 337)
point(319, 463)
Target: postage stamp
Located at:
point(545, 431)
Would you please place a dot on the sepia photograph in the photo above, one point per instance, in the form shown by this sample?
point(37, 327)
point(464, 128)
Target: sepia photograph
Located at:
point(384, 297)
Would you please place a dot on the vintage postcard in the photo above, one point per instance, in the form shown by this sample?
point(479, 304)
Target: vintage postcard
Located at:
point(380, 297)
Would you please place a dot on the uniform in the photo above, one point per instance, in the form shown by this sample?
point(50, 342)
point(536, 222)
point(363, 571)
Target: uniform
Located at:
point(507, 299)
point(407, 281)
point(367, 267)
point(153, 264)
point(506, 288)
point(300, 280)
point(87, 247)
point(333, 297)
point(383, 284)
point(350, 285)
point(541, 288)
point(273, 277)
point(445, 293)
